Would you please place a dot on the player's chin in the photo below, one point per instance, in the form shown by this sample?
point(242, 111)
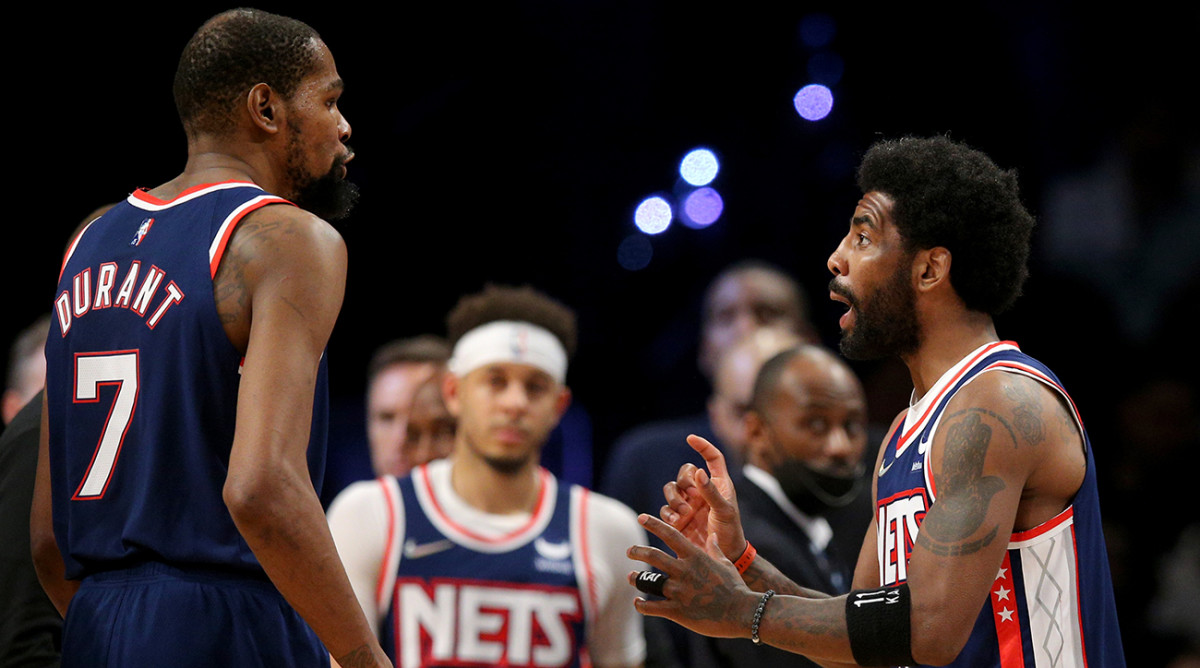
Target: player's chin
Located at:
point(508, 464)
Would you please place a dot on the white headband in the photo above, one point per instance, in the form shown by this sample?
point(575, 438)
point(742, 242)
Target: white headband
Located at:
point(509, 341)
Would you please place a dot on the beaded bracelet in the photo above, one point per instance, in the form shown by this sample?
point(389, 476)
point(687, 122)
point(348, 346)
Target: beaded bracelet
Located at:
point(758, 613)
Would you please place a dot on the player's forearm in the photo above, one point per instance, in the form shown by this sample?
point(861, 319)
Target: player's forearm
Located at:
point(280, 517)
point(815, 628)
point(48, 563)
point(47, 559)
point(762, 575)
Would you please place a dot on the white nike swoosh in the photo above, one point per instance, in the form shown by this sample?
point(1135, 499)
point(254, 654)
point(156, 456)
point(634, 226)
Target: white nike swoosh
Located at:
point(883, 468)
point(554, 551)
point(414, 551)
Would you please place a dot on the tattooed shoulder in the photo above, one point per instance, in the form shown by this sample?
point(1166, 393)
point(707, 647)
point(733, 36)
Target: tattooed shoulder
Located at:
point(1027, 403)
point(252, 239)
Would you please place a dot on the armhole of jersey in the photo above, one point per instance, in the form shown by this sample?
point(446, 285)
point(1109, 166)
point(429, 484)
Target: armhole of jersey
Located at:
point(1058, 389)
point(386, 579)
point(217, 249)
point(1021, 369)
point(72, 246)
point(582, 555)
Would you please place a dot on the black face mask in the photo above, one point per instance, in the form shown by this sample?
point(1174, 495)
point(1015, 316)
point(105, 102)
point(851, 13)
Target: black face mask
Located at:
point(813, 492)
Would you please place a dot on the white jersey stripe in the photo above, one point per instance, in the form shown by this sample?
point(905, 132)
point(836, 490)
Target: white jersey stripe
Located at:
point(1049, 582)
point(581, 555)
point(392, 548)
point(226, 229)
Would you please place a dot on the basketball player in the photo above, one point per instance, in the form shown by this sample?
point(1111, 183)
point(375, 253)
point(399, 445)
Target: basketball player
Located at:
point(484, 558)
point(986, 546)
point(184, 433)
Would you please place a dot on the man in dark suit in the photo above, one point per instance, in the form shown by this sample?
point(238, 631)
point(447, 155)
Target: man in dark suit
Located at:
point(803, 493)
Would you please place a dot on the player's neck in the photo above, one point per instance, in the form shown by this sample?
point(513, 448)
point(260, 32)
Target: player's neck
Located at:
point(944, 342)
point(214, 160)
point(485, 488)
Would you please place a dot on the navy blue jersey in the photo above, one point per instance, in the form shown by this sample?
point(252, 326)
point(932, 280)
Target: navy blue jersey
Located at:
point(519, 601)
point(142, 386)
point(1051, 603)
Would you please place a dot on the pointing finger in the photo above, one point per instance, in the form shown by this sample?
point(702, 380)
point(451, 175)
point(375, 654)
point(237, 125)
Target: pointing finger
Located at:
point(669, 535)
point(712, 456)
point(653, 557)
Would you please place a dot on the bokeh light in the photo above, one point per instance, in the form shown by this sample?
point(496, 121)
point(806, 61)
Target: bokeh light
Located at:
point(653, 215)
point(634, 252)
point(699, 167)
point(817, 30)
point(813, 102)
point(702, 208)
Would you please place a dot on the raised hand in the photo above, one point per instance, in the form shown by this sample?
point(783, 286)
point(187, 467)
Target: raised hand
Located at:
point(703, 591)
point(703, 503)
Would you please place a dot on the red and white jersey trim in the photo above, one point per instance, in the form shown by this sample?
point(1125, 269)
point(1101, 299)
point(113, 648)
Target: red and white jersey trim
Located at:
point(473, 528)
point(74, 244)
point(217, 249)
point(1048, 584)
point(920, 412)
point(392, 544)
point(582, 553)
point(147, 202)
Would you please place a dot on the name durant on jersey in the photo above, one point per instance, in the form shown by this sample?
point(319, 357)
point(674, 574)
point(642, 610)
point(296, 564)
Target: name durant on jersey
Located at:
point(130, 295)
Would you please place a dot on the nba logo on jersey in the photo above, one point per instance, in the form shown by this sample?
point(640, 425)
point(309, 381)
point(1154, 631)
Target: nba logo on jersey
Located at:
point(143, 229)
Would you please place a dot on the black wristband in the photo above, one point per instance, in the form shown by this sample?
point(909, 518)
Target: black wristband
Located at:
point(879, 626)
point(758, 613)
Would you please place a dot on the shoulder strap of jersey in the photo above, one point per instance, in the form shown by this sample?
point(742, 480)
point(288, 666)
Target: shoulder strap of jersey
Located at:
point(396, 523)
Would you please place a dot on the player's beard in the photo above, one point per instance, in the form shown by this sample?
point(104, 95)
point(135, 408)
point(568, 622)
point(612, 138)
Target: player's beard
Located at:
point(507, 466)
point(504, 464)
point(885, 324)
point(327, 195)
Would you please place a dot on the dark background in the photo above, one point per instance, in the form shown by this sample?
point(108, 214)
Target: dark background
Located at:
point(510, 142)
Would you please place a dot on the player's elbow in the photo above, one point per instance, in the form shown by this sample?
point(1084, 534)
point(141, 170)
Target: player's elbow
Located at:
point(245, 497)
point(261, 496)
point(938, 638)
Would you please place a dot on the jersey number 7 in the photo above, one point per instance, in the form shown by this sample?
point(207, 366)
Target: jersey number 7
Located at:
point(93, 371)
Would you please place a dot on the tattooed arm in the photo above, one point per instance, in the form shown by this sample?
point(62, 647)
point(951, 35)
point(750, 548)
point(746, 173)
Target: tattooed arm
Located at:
point(704, 593)
point(279, 289)
point(1000, 462)
point(1006, 455)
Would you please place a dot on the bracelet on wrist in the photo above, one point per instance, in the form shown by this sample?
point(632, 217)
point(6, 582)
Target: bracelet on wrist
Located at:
point(743, 562)
point(758, 614)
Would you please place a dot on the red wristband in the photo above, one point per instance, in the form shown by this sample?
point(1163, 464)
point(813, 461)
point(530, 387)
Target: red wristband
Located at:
point(743, 562)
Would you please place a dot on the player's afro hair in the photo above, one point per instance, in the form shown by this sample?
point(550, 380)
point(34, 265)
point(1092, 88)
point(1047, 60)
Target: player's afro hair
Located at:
point(232, 52)
point(948, 194)
point(504, 302)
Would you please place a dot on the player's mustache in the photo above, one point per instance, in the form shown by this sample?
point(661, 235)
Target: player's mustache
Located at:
point(842, 291)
